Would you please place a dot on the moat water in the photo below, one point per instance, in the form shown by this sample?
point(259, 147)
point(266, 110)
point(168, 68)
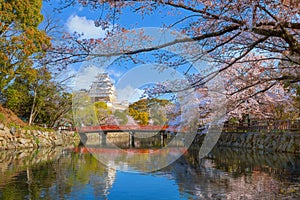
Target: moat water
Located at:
point(70, 173)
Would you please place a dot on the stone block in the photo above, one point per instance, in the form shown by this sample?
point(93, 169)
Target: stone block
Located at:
point(13, 130)
point(260, 146)
point(2, 133)
point(2, 126)
point(291, 148)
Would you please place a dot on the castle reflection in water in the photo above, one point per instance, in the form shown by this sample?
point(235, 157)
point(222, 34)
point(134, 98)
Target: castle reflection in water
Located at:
point(75, 173)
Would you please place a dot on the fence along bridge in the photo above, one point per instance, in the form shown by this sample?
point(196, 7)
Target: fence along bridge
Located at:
point(97, 135)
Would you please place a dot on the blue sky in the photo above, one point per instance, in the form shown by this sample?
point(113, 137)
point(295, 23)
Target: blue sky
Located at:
point(81, 19)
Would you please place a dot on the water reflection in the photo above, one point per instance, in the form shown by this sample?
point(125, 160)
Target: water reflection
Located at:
point(238, 174)
point(135, 152)
point(53, 174)
point(75, 174)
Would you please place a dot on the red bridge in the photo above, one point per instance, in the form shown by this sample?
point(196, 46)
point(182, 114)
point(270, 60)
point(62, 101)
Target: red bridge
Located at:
point(95, 135)
point(116, 128)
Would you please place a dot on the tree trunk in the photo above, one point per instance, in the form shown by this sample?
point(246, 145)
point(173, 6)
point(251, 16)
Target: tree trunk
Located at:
point(32, 113)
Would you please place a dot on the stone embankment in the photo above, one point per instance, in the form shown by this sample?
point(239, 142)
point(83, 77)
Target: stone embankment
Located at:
point(12, 138)
point(274, 142)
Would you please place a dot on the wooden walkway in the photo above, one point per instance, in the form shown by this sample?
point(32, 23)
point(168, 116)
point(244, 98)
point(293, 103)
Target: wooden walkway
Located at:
point(266, 126)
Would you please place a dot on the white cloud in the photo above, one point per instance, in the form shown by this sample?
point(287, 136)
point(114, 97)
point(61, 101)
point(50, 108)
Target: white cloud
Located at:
point(129, 94)
point(116, 74)
point(83, 25)
point(86, 76)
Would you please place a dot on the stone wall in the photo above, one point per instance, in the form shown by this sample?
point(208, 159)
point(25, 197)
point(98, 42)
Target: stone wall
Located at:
point(275, 142)
point(12, 138)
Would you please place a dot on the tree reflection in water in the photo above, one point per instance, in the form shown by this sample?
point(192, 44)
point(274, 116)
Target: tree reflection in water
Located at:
point(224, 174)
point(234, 174)
point(54, 174)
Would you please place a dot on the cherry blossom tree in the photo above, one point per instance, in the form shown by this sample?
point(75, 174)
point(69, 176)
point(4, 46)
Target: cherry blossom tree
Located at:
point(254, 45)
point(227, 31)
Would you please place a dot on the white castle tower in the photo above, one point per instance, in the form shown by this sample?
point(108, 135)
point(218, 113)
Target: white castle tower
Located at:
point(102, 89)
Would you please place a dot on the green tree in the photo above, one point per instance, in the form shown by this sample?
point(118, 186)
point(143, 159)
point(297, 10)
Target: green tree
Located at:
point(42, 89)
point(18, 95)
point(121, 116)
point(57, 109)
point(83, 109)
point(102, 112)
point(35, 97)
point(143, 118)
point(158, 116)
point(145, 110)
point(20, 39)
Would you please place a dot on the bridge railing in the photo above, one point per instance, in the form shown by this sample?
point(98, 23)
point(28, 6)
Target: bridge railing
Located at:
point(267, 126)
point(123, 128)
